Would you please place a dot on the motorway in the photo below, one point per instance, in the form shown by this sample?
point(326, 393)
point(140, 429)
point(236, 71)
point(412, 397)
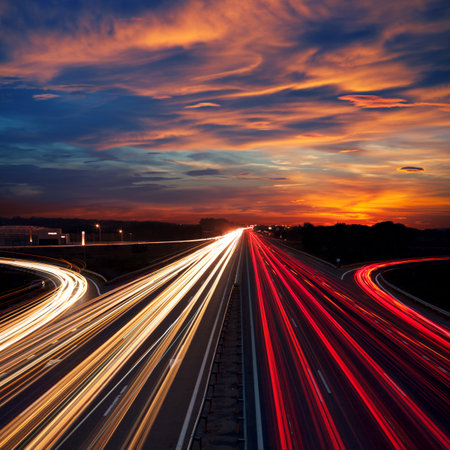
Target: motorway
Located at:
point(328, 363)
point(337, 366)
point(138, 357)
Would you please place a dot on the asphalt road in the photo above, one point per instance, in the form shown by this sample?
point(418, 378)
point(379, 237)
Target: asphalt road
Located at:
point(333, 366)
point(328, 362)
point(126, 369)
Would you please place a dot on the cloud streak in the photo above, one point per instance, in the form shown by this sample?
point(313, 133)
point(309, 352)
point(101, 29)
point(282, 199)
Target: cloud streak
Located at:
point(229, 98)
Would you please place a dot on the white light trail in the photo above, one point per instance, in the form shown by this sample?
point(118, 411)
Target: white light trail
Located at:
point(71, 286)
point(48, 419)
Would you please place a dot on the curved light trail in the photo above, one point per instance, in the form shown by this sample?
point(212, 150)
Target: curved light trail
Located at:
point(19, 323)
point(364, 277)
point(340, 370)
point(156, 338)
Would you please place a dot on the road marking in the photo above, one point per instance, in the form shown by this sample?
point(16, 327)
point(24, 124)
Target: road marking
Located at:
point(377, 282)
point(315, 386)
point(259, 433)
point(190, 409)
point(96, 286)
point(31, 356)
point(244, 389)
point(323, 381)
point(348, 271)
point(293, 322)
point(113, 404)
point(174, 362)
point(52, 362)
point(442, 369)
point(116, 400)
point(97, 405)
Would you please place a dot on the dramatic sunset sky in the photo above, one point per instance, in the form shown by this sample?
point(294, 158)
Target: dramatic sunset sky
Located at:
point(260, 111)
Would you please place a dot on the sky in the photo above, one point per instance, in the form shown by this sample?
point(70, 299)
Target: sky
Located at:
point(260, 111)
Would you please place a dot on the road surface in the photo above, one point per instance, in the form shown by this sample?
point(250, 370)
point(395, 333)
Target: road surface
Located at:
point(335, 367)
point(139, 356)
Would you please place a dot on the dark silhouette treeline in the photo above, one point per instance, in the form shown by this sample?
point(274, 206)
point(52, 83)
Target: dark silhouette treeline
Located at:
point(358, 243)
point(131, 230)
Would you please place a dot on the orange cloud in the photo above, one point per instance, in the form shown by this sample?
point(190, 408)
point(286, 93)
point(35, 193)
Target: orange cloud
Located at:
point(203, 105)
point(373, 101)
point(45, 96)
point(272, 91)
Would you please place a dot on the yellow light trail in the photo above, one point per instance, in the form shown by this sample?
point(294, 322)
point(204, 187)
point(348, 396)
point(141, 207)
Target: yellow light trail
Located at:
point(71, 286)
point(45, 422)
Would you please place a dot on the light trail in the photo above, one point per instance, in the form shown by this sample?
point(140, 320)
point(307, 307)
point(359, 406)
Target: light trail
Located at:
point(58, 413)
point(121, 243)
point(18, 323)
point(429, 329)
point(374, 387)
point(31, 358)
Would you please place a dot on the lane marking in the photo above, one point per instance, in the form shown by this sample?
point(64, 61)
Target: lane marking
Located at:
point(348, 271)
point(52, 362)
point(293, 322)
point(323, 381)
point(95, 285)
point(259, 433)
point(316, 387)
point(113, 404)
point(244, 389)
point(189, 412)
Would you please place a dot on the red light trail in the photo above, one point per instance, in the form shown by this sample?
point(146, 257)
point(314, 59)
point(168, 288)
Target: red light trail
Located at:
point(367, 374)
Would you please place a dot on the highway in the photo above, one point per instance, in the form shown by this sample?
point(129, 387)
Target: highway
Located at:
point(119, 366)
point(329, 362)
point(337, 366)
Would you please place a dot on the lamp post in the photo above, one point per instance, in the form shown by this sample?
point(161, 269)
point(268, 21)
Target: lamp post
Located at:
point(121, 234)
point(97, 225)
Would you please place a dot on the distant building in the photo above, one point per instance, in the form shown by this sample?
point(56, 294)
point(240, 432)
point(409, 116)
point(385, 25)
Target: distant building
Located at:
point(20, 235)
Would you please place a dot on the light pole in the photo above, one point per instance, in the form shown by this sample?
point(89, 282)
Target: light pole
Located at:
point(121, 234)
point(97, 225)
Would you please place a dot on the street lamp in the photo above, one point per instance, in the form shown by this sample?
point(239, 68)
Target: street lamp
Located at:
point(121, 234)
point(97, 225)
